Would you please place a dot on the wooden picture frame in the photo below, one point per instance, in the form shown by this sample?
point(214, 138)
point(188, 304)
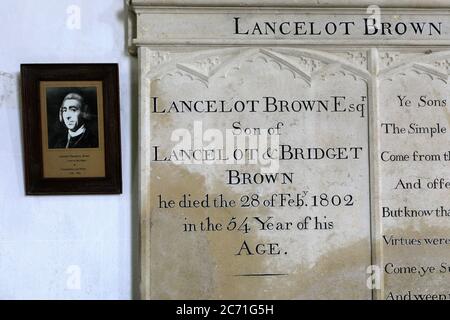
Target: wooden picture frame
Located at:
point(71, 129)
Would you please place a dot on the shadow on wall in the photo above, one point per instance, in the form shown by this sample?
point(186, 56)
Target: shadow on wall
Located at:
point(10, 98)
point(134, 174)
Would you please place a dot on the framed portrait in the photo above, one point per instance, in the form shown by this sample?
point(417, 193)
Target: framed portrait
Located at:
point(71, 129)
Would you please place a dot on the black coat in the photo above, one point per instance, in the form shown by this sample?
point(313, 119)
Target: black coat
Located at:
point(85, 140)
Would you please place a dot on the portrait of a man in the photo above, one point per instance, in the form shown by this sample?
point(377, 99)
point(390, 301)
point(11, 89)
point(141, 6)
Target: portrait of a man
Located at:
point(75, 124)
point(66, 107)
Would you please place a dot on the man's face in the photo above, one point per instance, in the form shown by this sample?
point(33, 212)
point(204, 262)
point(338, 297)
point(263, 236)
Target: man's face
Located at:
point(71, 114)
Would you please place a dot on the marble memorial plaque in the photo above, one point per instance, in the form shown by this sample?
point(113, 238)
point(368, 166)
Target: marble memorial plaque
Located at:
point(293, 151)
